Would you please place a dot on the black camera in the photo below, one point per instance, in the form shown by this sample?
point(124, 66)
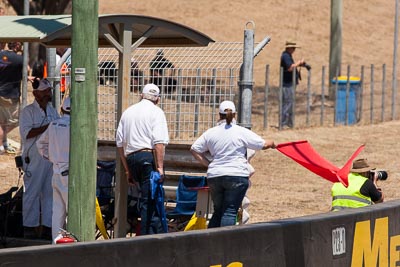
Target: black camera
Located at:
point(305, 65)
point(382, 175)
point(18, 162)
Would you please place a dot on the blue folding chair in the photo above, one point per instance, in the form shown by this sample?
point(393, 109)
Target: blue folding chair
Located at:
point(186, 199)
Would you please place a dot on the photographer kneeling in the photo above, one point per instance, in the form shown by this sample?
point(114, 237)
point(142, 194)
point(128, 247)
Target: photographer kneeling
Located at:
point(362, 190)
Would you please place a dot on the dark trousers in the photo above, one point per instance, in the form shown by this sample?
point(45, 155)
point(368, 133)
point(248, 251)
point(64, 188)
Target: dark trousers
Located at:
point(140, 165)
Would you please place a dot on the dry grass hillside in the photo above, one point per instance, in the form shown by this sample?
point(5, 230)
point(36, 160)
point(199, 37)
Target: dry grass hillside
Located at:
point(368, 27)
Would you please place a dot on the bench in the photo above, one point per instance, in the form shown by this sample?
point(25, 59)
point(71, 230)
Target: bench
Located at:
point(177, 161)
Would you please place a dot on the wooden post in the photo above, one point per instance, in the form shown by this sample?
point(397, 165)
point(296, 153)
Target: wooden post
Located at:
point(335, 52)
point(121, 191)
point(83, 147)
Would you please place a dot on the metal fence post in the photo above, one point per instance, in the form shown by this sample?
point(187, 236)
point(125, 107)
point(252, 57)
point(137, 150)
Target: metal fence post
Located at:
point(280, 99)
point(196, 102)
point(336, 91)
point(346, 110)
point(371, 116)
point(214, 92)
point(266, 91)
point(322, 96)
point(178, 103)
point(361, 96)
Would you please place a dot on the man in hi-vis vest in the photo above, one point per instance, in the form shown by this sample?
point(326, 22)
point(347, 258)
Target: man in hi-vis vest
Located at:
point(362, 190)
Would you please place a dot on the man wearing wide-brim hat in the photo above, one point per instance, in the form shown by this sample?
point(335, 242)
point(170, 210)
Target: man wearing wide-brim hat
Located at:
point(289, 80)
point(37, 200)
point(362, 190)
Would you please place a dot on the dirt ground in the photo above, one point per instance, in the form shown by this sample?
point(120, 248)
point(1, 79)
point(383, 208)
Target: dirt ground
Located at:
point(281, 188)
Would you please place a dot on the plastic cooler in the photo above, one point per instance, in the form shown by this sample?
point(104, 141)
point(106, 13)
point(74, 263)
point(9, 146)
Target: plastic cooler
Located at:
point(352, 103)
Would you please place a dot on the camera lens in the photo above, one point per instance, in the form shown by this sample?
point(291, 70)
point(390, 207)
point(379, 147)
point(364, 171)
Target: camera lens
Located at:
point(382, 175)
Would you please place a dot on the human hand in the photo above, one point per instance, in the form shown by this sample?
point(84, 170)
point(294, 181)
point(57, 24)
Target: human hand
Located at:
point(130, 180)
point(270, 144)
point(161, 172)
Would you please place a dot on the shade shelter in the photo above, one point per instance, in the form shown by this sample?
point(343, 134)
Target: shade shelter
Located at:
point(124, 33)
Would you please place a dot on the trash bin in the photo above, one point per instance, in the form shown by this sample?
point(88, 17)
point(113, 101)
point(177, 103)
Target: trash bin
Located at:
point(352, 101)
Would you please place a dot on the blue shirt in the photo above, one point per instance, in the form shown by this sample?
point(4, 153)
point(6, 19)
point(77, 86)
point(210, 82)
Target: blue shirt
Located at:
point(286, 62)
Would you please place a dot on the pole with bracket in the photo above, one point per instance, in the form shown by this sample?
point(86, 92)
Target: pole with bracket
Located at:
point(246, 77)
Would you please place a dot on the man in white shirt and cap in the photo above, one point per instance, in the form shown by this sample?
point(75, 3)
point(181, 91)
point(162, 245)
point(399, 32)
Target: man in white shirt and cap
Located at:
point(53, 145)
point(142, 132)
point(38, 193)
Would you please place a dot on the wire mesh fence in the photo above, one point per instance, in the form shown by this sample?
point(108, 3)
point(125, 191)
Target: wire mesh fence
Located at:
point(192, 80)
point(368, 99)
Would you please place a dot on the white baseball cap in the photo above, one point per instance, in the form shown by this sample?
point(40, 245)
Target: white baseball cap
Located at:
point(43, 85)
point(66, 105)
point(151, 89)
point(227, 105)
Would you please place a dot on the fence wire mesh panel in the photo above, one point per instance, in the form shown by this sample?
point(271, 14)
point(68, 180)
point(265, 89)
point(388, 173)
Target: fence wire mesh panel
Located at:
point(192, 80)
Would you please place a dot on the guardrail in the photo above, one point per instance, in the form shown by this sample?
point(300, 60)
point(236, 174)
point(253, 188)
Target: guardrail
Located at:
point(366, 236)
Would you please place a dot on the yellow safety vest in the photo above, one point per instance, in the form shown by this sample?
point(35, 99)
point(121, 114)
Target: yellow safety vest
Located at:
point(350, 197)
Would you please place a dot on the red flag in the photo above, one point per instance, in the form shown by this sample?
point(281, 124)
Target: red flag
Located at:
point(304, 154)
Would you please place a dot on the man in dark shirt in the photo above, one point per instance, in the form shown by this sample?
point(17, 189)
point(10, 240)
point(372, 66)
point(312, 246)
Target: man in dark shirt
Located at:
point(362, 191)
point(289, 68)
point(157, 71)
point(11, 65)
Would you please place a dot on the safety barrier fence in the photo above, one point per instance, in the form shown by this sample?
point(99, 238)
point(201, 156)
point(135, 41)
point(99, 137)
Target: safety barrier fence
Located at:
point(367, 236)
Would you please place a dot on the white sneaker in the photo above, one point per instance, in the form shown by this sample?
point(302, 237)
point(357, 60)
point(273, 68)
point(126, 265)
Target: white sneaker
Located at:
point(58, 237)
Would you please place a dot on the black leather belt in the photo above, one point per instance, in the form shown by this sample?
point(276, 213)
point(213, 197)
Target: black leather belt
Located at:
point(142, 150)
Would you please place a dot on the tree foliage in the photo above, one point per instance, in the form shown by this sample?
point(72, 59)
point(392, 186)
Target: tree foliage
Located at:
point(42, 7)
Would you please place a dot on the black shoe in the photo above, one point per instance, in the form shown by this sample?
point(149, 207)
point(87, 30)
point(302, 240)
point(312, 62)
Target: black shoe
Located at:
point(30, 233)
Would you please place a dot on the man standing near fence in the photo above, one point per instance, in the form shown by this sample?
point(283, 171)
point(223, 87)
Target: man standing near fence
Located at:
point(141, 138)
point(289, 68)
point(11, 64)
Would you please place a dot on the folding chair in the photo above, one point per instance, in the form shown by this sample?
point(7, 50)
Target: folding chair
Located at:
point(106, 199)
point(186, 200)
point(11, 214)
point(105, 193)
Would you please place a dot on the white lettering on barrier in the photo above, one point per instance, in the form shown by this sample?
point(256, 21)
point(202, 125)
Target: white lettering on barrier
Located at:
point(338, 241)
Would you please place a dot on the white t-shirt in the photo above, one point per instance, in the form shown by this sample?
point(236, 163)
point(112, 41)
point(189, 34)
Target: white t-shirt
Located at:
point(54, 143)
point(142, 126)
point(227, 145)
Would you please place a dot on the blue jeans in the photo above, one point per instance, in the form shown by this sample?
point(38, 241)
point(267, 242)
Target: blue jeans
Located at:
point(227, 193)
point(140, 165)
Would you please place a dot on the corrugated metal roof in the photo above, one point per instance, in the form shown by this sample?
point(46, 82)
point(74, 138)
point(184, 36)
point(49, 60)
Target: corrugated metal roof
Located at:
point(55, 30)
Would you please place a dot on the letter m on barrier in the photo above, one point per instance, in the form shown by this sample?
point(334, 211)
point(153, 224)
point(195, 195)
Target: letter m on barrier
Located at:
point(363, 252)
